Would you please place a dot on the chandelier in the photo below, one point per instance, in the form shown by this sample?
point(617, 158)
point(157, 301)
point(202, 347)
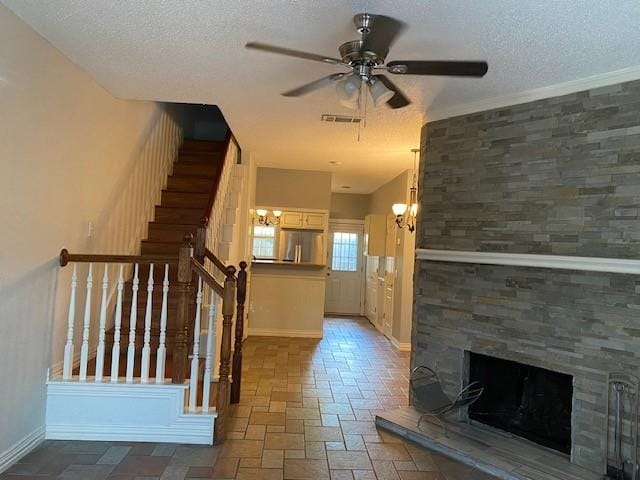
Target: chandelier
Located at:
point(263, 217)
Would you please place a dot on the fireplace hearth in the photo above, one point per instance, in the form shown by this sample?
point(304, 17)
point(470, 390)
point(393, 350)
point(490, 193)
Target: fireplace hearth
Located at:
point(531, 402)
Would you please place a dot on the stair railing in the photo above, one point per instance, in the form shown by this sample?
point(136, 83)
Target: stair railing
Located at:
point(211, 232)
point(193, 281)
point(101, 267)
point(209, 235)
point(228, 295)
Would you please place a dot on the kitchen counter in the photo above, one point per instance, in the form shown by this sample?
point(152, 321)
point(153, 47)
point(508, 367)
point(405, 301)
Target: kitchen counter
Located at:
point(287, 299)
point(287, 264)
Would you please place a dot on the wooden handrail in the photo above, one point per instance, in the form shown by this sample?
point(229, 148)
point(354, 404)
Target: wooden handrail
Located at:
point(215, 260)
point(66, 257)
point(204, 221)
point(206, 277)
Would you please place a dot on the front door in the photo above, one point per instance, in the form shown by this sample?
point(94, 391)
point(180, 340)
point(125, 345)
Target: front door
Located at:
point(344, 273)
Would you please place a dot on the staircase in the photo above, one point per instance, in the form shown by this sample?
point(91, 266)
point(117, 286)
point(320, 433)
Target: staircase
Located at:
point(185, 200)
point(145, 380)
point(183, 205)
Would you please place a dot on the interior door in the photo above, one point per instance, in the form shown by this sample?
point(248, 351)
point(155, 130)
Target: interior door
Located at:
point(344, 273)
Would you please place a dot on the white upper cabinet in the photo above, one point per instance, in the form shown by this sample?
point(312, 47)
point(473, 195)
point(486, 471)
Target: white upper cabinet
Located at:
point(375, 233)
point(292, 220)
point(304, 220)
point(317, 221)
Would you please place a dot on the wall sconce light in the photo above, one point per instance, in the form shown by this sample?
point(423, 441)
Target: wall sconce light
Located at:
point(406, 213)
point(265, 219)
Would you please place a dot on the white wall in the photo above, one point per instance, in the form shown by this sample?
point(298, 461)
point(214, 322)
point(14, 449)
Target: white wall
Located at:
point(70, 153)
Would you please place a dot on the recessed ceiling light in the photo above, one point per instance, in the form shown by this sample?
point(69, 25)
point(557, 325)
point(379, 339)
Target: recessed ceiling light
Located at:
point(346, 187)
point(335, 162)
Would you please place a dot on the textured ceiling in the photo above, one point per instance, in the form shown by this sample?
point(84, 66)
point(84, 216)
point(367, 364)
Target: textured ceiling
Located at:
point(192, 51)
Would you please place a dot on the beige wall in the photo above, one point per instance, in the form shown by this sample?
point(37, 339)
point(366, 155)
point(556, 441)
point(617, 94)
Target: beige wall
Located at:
point(276, 187)
point(70, 153)
point(394, 191)
point(352, 206)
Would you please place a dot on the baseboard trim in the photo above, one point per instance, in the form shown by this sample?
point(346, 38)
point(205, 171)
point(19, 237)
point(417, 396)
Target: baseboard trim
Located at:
point(277, 332)
point(401, 346)
point(187, 433)
point(21, 448)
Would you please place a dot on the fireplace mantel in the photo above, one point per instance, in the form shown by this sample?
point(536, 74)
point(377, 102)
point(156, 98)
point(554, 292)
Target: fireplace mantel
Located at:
point(564, 262)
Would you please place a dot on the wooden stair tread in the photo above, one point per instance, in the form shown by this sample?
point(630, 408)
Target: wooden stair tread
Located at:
point(184, 199)
point(203, 170)
point(189, 183)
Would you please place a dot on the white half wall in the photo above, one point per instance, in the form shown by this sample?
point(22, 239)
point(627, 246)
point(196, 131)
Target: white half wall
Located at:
point(286, 302)
point(124, 412)
point(71, 154)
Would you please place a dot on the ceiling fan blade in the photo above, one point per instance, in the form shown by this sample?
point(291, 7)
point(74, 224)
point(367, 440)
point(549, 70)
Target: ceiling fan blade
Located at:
point(292, 53)
point(447, 68)
point(382, 33)
point(399, 100)
point(310, 87)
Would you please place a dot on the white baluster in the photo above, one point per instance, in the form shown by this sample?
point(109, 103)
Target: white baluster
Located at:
point(102, 325)
point(67, 366)
point(211, 341)
point(162, 351)
point(133, 317)
point(115, 352)
point(146, 349)
point(193, 381)
point(84, 349)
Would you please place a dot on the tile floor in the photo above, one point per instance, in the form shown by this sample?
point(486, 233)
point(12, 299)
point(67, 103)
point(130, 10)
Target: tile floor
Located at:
point(306, 413)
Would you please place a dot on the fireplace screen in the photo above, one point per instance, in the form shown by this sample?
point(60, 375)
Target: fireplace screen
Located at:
point(527, 401)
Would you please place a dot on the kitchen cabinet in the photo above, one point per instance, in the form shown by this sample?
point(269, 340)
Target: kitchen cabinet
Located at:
point(304, 220)
point(291, 220)
point(371, 290)
point(391, 238)
point(317, 221)
point(375, 235)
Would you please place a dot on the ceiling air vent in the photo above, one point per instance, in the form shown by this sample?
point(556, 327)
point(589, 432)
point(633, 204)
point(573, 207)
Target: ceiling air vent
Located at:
point(327, 117)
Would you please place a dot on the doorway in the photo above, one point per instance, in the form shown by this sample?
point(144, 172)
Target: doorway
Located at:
point(344, 272)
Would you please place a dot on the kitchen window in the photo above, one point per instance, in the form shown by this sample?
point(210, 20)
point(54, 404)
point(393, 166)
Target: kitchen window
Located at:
point(345, 252)
point(264, 241)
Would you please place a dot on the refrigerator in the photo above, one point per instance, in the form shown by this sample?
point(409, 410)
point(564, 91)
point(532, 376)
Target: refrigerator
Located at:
point(301, 246)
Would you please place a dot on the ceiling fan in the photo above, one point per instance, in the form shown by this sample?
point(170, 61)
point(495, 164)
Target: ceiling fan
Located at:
point(367, 56)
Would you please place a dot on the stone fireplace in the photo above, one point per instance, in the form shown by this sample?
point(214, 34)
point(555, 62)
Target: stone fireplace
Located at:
point(554, 178)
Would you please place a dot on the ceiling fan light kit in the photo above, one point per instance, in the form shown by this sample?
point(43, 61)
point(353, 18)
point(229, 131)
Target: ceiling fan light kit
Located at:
point(379, 92)
point(348, 90)
point(367, 55)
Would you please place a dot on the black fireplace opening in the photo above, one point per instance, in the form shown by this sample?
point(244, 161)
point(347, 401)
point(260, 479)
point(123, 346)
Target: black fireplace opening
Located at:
point(531, 402)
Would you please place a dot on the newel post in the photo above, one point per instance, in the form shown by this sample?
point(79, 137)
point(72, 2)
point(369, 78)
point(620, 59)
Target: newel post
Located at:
point(200, 243)
point(237, 347)
point(183, 287)
point(228, 309)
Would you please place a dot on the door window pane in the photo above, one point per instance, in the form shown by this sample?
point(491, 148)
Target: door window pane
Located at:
point(264, 240)
point(345, 252)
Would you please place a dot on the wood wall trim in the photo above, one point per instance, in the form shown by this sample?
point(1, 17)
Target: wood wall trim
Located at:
point(563, 262)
